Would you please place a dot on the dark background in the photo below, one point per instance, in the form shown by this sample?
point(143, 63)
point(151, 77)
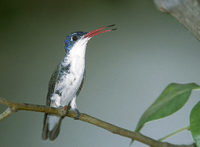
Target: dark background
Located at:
point(126, 69)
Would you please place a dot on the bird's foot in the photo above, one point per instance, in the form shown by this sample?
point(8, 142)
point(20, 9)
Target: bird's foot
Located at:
point(77, 114)
point(67, 108)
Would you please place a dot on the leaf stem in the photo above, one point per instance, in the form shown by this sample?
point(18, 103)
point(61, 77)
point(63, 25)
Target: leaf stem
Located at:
point(175, 132)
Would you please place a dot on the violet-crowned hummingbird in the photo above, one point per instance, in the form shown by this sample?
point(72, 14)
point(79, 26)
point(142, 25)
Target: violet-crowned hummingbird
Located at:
point(67, 80)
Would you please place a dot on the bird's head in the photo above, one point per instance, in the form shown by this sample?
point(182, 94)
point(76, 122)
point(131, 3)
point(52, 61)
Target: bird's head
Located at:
point(81, 38)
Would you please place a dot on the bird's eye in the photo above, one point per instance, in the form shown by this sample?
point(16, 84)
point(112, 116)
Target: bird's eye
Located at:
point(74, 38)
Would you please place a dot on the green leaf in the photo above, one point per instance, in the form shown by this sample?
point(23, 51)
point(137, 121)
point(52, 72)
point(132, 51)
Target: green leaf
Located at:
point(195, 123)
point(171, 100)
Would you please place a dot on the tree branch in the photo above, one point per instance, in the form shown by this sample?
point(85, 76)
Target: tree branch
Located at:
point(186, 12)
point(6, 113)
point(14, 107)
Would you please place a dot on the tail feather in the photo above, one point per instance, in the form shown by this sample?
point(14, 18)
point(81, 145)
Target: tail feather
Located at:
point(51, 127)
point(56, 130)
point(45, 129)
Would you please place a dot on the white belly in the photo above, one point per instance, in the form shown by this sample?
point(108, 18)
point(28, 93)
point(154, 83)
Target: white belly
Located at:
point(69, 84)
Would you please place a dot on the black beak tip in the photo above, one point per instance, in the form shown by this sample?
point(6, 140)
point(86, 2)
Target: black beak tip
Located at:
point(114, 29)
point(112, 25)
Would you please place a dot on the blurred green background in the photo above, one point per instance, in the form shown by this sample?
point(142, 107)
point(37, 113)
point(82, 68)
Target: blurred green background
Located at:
point(125, 70)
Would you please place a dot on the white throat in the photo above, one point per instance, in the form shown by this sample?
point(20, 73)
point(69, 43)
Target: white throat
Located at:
point(77, 52)
point(79, 48)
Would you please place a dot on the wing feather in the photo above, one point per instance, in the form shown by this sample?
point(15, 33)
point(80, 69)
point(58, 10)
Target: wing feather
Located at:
point(52, 83)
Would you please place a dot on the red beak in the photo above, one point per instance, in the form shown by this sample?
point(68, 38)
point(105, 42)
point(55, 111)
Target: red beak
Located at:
point(99, 31)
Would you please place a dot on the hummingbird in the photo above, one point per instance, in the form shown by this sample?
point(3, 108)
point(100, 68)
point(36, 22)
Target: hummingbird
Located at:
point(67, 80)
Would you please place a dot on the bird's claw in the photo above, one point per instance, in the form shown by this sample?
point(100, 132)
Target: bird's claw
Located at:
point(77, 114)
point(65, 109)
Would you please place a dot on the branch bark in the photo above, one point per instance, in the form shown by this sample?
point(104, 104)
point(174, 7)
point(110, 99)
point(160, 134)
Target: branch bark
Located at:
point(187, 12)
point(14, 107)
